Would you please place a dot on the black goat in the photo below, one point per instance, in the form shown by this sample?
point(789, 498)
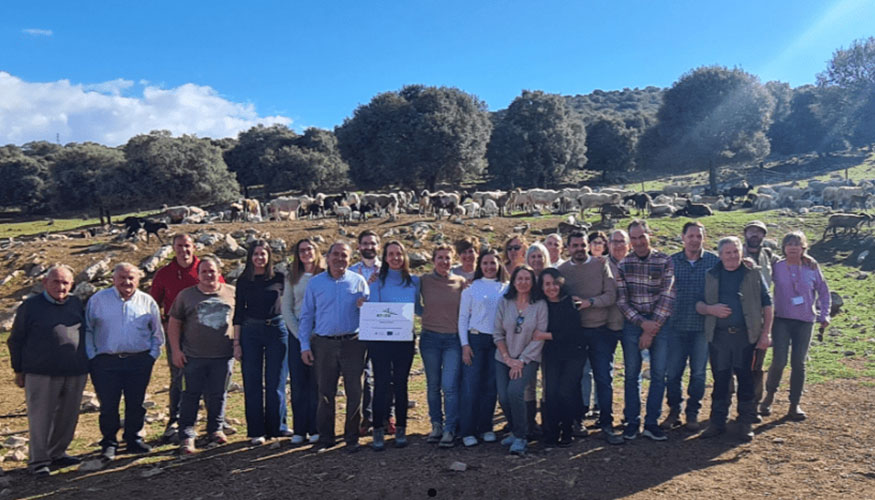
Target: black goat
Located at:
point(641, 200)
point(694, 210)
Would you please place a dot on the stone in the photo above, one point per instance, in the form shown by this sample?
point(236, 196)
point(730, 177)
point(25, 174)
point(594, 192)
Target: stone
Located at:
point(15, 274)
point(15, 442)
point(91, 466)
point(210, 238)
point(95, 271)
point(84, 291)
point(16, 455)
point(417, 259)
point(458, 466)
point(151, 472)
point(319, 239)
point(97, 247)
point(6, 322)
point(234, 387)
point(278, 245)
point(778, 441)
point(56, 237)
point(235, 273)
point(152, 263)
point(488, 229)
point(862, 256)
point(37, 269)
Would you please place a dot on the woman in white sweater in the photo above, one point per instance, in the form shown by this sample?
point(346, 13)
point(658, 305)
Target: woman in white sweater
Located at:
point(477, 313)
point(307, 262)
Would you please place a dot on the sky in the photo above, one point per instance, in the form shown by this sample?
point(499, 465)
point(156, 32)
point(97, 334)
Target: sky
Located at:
point(105, 71)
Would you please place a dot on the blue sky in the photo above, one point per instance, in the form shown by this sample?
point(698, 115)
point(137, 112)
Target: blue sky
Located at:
point(104, 71)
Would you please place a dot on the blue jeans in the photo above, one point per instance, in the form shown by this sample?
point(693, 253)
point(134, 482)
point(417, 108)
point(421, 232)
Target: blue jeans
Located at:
point(511, 395)
point(442, 358)
point(305, 394)
point(586, 386)
point(203, 377)
point(264, 367)
point(601, 344)
point(479, 392)
point(683, 346)
point(632, 361)
point(787, 332)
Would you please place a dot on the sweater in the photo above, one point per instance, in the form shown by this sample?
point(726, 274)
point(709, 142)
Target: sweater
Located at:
point(258, 299)
point(568, 341)
point(520, 344)
point(440, 297)
point(591, 279)
point(293, 299)
point(48, 338)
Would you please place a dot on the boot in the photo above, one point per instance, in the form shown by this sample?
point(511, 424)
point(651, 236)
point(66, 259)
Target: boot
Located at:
point(672, 420)
point(745, 431)
point(766, 405)
point(400, 437)
point(379, 443)
point(437, 431)
point(796, 413)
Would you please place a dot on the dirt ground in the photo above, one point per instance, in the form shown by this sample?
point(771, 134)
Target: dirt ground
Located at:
point(831, 455)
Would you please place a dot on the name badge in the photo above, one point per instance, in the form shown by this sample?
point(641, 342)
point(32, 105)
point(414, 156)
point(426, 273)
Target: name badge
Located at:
point(798, 301)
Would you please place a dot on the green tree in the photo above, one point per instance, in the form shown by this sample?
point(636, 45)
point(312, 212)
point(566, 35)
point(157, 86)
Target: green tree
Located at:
point(416, 136)
point(849, 99)
point(610, 147)
point(91, 176)
point(26, 181)
point(712, 116)
point(244, 158)
point(800, 129)
point(536, 141)
point(312, 162)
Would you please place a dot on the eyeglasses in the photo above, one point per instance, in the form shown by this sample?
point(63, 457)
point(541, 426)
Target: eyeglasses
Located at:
point(514, 248)
point(618, 242)
point(519, 323)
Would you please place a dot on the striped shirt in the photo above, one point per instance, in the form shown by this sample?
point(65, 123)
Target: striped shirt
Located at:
point(644, 287)
point(689, 288)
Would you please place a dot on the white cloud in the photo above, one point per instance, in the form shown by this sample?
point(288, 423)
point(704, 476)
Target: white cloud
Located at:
point(36, 32)
point(99, 112)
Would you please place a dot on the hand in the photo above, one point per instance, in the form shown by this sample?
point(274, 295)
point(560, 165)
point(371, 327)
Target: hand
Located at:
point(373, 279)
point(361, 300)
point(179, 359)
point(307, 357)
point(581, 303)
point(539, 335)
point(719, 310)
point(238, 352)
point(650, 327)
point(765, 342)
point(645, 340)
point(515, 373)
point(824, 324)
point(19, 379)
point(467, 355)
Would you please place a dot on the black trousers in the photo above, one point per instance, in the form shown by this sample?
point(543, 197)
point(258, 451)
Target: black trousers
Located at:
point(114, 376)
point(562, 392)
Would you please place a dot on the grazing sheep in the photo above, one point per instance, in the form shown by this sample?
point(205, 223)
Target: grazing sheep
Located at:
point(848, 223)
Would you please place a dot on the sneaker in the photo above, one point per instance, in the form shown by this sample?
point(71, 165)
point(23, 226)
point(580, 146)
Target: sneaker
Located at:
point(508, 440)
point(379, 443)
point(286, 433)
point(437, 431)
point(654, 432)
point(672, 420)
point(630, 432)
point(352, 447)
point(578, 429)
point(565, 441)
point(108, 453)
point(796, 414)
point(489, 437)
point(314, 438)
point(712, 431)
point(518, 447)
point(693, 423)
point(258, 441)
point(170, 432)
point(228, 429)
point(469, 441)
point(66, 461)
point(42, 470)
point(448, 440)
point(297, 439)
point(219, 437)
point(745, 432)
point(187, 447)
point(766, 405)
point(138, 447)
point(612, 437)
point(400, 437)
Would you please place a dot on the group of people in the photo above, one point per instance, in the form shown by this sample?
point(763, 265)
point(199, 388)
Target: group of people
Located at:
point(490, 325)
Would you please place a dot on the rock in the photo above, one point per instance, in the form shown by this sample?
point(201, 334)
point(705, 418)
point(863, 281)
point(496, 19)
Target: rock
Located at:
point(15, 442)
point(56, 237)
point(94, 271)
point(488, 229)
point(37, 269)
point(417, 259)
point(235, 273)
point(420, 227)
point(90, 405)
point(151, 264)
point(274, 446)
point(84, 291)
point(16, 455)
point(91, 466)
point(341, 231)
point(15, 274)
point(278, 245)
point(437, 237)
point(417, 244)
point(148, 404)
point(850, 353)
point(778, 441)
point(151, 472)
point(234, 387)
point(210, 238)
point(319, 239)
point(861, 275)
point(458, 466)
point(862, 256)
point(97, 247)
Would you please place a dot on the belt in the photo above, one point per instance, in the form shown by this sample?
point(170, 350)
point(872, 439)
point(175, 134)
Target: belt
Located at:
point(339, 337)
point(478, 332)
point(123, 355)
point(732, 330)
point(275, 321)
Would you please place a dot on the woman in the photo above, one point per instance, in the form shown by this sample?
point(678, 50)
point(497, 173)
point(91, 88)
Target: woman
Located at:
point(476, 325)
point(518, 354)
point(392, 359)
point(598, 247)
point(306, 263)
point(538, 257)
point(797, 279)
point(598, 244)
point(467, 249)
point(261, 343)
point(515, 252)
point(440, 295)
point(564, 355)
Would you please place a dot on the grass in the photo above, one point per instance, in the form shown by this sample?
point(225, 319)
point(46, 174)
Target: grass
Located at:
point(47, 225)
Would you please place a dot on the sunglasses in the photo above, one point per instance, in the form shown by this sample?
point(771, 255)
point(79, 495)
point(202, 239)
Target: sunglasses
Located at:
point(514, 248)
point(519, 323)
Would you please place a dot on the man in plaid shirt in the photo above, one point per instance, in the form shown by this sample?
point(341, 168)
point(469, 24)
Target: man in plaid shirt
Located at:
point(646, 297)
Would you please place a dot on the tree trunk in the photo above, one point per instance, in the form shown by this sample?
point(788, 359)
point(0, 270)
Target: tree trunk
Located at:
point(431, 182)
point(712, 177)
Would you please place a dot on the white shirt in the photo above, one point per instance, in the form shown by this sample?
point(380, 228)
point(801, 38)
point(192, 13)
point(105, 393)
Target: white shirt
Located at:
point(479, 306)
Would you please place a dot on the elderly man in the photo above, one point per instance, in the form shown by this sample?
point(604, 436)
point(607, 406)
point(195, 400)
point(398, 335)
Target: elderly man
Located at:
point(48, 357)
point(368, 245)
point(329, 341)
point(685, 329)
point(171, 279)
point(201, 335)
point(738, 321)
point(123, 338)
point(553, 242)
point(645, 295)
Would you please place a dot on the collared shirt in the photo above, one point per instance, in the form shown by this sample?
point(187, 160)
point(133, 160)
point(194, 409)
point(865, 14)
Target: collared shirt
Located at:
point(116, 326)
point(644, 287)
point(689, 286)
point(330, 306)
point(479, 305)
point(361, 268)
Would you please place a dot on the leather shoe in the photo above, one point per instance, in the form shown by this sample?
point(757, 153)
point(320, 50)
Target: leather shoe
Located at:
point(66, 461)
point(108, 453)
point(138, 447)
point(712, 431)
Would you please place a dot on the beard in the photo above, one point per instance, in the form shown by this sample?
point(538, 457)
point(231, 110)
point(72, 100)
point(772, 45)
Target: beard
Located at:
point(369, 254)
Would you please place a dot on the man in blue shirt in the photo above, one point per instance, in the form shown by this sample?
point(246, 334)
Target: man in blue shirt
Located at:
point(123, 337)
point(329, 340)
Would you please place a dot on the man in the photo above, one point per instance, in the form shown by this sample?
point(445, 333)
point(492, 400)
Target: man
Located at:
point(369, 267)
point(738, 321)
point(123, 338)
point(47, 353)
point(646, 297)
point(686, 328)
point(200, 333)
point(329, 342)
point(591, 280)
point(171, 279)
point(553, 242)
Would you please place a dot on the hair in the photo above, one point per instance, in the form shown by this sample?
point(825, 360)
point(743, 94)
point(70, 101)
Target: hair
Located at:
point(249, 270)
point(554, 235)
point(367, 232)
point(467, 242)
point(622, 232)
point(693, 223)
point(639, 223)
point(727, 240)
point(795, 237)
point(502, 269)
point(557, 276)
point(57, 266)
point(339, 242)
point(440, 247)
point(511, 293)
point(512, 237)
point(181, 235)
point(539, 247)
point(296, 267)
point(406, 279)
point(209, 258)
point(121, 266)
point(576, 234)
point(598, 235)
